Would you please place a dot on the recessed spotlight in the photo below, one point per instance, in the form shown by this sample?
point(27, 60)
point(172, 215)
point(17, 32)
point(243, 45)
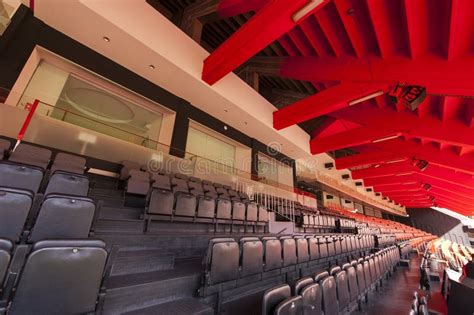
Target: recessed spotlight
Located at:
point(152, 67)
point(225, 110)
point(225, 127)
point(106, 39)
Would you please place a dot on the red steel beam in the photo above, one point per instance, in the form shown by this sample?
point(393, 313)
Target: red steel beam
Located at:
point(228, 8)
point(369, 158)
point(267, 25)
point(322, 103)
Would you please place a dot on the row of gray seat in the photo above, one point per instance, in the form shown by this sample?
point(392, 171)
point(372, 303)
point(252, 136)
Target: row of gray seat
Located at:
point(32, 155)
point(57, 216)
point(336, 291)
point(318, 221)
point(228, 260)
point(57, 277)
point(384, 240)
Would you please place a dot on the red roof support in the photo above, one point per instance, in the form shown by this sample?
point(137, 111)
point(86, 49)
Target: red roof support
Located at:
point(271, 22)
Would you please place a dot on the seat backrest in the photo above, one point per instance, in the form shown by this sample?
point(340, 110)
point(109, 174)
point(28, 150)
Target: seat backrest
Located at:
point(331, 246)
point(251, 256)
point(222, 260)
point(367, 275)
point(238, 211)
point(61, 277)
point(274, 296)
point(15, 205)
point(323, 247)
point(313, 248)
point(224, 209)
point(161, 181)
point(31, 155)
point(373, 271)
point(272, 253)
point(63, 217)
point(342, 289)
point(5, 257)
point(312, 299)
point(352, 281)
point(68, 163)
point(262, 214)
point(302, 250)
point(291, 306)
point(252, 212)
point(161, 201)
point(288, 245)
point(206, 207)
point(138, 182)
point(127, 166)
point(68, 184)
point(360, 277)
point(330, 302)
point(20, 176)
point(196, 188)
point(186, 205)
point(301, 283)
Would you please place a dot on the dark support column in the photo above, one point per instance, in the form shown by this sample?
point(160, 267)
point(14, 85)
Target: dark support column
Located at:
point(180, 131)
point(295, 177)
point(254, 161)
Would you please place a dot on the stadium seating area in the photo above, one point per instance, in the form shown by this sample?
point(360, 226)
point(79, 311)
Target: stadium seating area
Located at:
point(56, 212)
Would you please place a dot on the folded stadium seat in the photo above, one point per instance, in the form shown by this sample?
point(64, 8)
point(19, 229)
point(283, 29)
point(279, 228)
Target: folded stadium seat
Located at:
point(272, 253)
point(218, 185)
point(63, 216)
point(360, 277)
point(354, 292)
point(194, 179)
point(209, 190)
point(244, 197)
point(160, 181)
point(301, 283)
point(342, 288)
point(291, 306)
point(232, 193)
point(179, 185)
point(20, 176)
point(251, 216)
point(222, 193)
point(68, 184)
point(138, 183)
point(223, 212)
point(5, 256)
point(330, 302)
point(378, 266)
point(251, 256)
point(206, 209)
point(4, 147)
point(61, 277)
point(196, 189)
point(323, 248)
point(274, 296)
point(302, 250)
point(343, 243)
point(306, 221)
point(238, 213)
point(331, 247)
point(127, 166)
point(312, 299)
point(320, 276)
point(31, 155)
point(313, 248)
point(373, 272)
point(353, 244)
point(69, 163)
point(180, 176)
point(160, 205)
point(288, 246)
point(221, 264)
point(185, 207)
point(15, 205)
point(367, 275)
point(262, 216)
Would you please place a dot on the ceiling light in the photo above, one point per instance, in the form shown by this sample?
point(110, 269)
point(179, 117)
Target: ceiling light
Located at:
point(225, 110)
point(311, 5)
point(395, 161)
point(225, 127)
point(365, 98)
point(385, 138)
point(152, 67)
point(106, 39)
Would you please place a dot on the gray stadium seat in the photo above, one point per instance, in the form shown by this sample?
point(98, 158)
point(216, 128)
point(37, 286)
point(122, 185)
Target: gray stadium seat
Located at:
point(179, 185)
point(4, 147)
point(312, 299)
point(272, 253)
point(302, 252)
point(291, 306)
point(127, 166)
point(222, 192)
point(195, 188)
point(301, 283)
point(63, 217)
point(288, 245)
point(252, 212)
point(352, 282)
point(68, 184)
point(224, 210)
point(206, 207)
point(320, 276)
point(343, 296)
point(367, 276)
point(209, 190)
point(330, 303)
point(5, 256)
point(161, 202)
point(20, 176)
point(251, 256)
point(262, 214)
point(31, 155)
point(185, 205)
point(61, 277)
point(161, 181)
point(360, 278)
point(238, 212)
point(274, 296)
point(313, 248)
point(15, 206)
point(222, 263)
point(68, 163)
point(138, 183)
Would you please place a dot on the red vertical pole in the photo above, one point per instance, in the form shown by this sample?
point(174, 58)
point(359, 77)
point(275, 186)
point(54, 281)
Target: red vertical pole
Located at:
point(32, 5)
point(27, 121)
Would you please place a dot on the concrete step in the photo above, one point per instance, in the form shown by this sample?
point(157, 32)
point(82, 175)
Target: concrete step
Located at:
point(131, 260)
point(111, 212)
point(119, 226)
point(184, 306)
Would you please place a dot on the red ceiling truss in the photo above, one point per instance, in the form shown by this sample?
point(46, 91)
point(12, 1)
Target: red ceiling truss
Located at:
point(350, 49)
